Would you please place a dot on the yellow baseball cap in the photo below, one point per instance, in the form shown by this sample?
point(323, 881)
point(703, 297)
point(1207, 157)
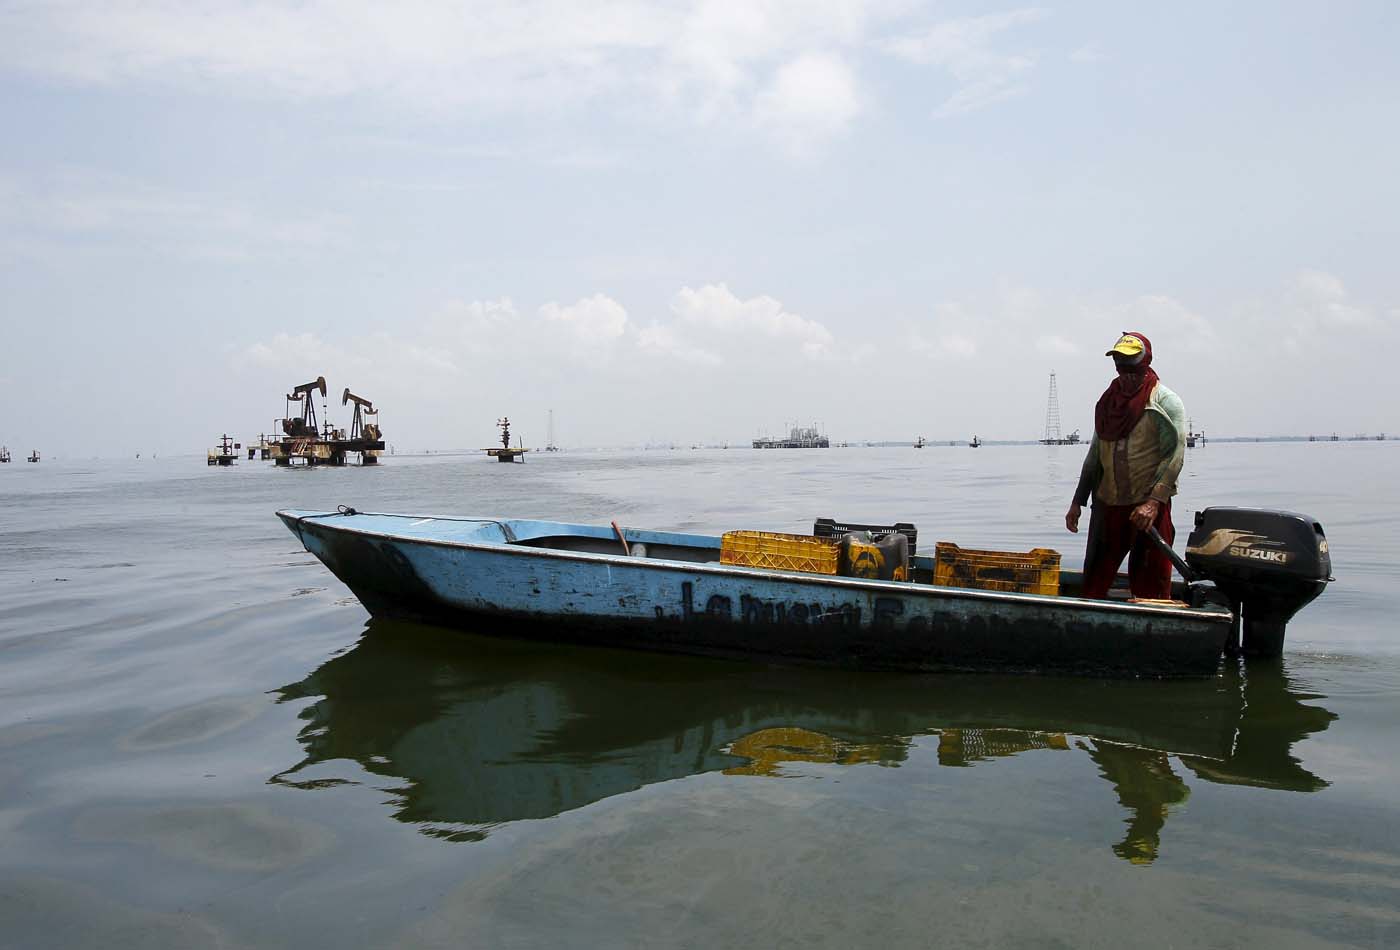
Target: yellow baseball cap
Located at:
point(1127, 345)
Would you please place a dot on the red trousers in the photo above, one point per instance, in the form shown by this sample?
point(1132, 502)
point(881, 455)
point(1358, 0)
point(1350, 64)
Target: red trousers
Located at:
point(1111, 536)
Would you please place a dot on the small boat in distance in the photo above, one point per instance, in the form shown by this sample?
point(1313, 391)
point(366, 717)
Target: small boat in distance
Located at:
point(4, 454)
point(976, 443)
point(33, 455)
point(665, 591)
point(919, 442)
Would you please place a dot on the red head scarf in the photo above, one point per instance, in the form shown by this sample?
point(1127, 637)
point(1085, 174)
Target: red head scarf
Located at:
point(1119, 409)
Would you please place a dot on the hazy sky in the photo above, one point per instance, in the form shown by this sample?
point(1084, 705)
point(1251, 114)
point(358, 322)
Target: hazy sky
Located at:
point(691, 221)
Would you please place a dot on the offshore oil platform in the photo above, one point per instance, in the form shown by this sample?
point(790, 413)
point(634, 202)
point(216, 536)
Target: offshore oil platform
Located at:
point(800, 437)
point(305, 441)
point(505, 453)
point(263, 448)
point(1194, 438)
point(225, 454)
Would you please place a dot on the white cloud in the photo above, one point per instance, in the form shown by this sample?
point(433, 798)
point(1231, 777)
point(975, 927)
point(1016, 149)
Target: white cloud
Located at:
point(708, 338)
point(964, 48)
point(1036, 329)
point(1324, 298)
point(665, 341)
point(426, 53)
point(946, 333)
point(1316, 311)
point(1173, 320)
point(978, 362)
point(294, 350)
point(810, 99)
point(713, 363)
point(593, 320)
point(477, 316)
point(1086, 54)
point(421, 51)
point(942, 344)
point(83, 210)
point(1053, 345)
point(789, 69)
point(377, 353)
point(953, 345)
point(713, 311)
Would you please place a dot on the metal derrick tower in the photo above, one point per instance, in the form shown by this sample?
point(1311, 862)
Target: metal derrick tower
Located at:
point(1052, 414)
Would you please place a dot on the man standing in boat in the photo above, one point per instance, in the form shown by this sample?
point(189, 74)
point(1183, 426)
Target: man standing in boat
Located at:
point(1132, 468)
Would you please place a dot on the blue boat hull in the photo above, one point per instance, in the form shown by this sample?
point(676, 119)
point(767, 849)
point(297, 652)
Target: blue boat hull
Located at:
point(458, 571)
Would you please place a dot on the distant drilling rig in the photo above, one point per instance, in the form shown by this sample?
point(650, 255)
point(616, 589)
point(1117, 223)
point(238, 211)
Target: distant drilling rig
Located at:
point(1052, 420)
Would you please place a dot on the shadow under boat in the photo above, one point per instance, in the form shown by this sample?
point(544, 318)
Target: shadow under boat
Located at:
point(474, 731)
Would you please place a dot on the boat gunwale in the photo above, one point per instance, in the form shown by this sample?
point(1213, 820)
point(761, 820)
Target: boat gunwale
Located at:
point(1195, 614)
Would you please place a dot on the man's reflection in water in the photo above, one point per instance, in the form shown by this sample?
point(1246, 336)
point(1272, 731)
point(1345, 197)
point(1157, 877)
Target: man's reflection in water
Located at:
point(473, 732)
point(1146, 786)
point(1143, 778)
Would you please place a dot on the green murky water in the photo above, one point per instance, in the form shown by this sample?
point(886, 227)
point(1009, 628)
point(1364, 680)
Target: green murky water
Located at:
point(204, 741)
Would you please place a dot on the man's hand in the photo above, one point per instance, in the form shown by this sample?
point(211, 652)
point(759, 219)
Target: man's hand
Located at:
point(1144, 514)
point(1072, 518)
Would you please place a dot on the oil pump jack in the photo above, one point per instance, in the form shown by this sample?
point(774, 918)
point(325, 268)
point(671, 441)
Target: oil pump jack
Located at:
point(308, 440)
point(365, 436)
point(304, 424)
point(301, 435)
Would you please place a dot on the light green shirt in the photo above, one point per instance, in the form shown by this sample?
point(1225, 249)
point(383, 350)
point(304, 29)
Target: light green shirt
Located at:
point(1129, 474)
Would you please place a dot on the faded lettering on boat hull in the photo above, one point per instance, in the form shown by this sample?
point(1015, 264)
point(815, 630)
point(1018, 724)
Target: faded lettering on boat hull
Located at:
point(701, 609)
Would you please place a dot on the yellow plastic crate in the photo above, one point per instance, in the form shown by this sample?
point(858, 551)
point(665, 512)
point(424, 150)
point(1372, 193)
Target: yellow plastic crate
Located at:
point(780, 552)
point(859, 559)
point(1034, 572)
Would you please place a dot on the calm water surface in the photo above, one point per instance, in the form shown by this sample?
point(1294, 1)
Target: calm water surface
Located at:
point(205, 742)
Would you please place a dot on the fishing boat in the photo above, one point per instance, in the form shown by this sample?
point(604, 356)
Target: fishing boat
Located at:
point(1251, 571)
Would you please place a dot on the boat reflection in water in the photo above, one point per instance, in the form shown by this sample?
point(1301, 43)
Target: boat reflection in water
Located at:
point(473, 732)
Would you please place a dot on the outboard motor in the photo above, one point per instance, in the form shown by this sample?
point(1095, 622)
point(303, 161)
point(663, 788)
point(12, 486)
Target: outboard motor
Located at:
point(1270, 564)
